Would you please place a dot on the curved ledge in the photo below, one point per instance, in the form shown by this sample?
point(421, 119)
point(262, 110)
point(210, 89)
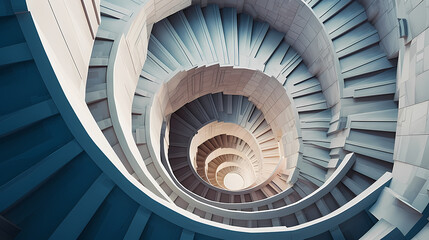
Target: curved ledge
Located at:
point(218, 128)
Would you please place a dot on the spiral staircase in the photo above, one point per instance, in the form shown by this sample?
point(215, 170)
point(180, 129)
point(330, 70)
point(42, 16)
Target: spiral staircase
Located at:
point(171, 103)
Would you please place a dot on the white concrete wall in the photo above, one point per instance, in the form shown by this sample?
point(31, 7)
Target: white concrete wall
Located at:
point(67, 29)
point(417, 14)
point(304, 33)
point(382, 14)
point(411, 169)
point(408, 193)
point(160, 9)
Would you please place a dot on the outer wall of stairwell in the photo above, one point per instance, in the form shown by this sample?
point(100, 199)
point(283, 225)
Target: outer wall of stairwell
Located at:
point(411, 155)
point(378, 12)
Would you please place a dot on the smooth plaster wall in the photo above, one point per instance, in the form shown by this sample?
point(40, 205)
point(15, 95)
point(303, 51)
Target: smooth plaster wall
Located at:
point(304, 32)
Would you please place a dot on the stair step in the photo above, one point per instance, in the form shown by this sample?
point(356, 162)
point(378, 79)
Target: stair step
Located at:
point(161, 55)
point(244, 38)
point(326, 9)
point(352, 185)
point(81, 214)
point(138, 224)
point(15, 53)
point(187, 235)
point(260, 29)
point(348, 18)
point(196, 20)
point(187, 36)
point(95, 96)
point(15, 121)
point(164, 32)
point(29, 179)
point(214, 26)
point(361, 37)
point(367, 61)
point(269, 45)
point(229, 22)
point(273, 66)
point(338, 196)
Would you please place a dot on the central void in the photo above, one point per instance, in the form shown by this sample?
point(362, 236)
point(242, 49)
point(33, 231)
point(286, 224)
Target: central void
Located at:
point(233, 181)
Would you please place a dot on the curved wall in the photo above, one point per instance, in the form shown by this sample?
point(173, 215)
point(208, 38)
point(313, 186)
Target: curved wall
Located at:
point(66, 44)
point(304, 33)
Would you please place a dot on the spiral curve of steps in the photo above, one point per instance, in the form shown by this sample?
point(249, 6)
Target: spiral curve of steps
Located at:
point(71, 169)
